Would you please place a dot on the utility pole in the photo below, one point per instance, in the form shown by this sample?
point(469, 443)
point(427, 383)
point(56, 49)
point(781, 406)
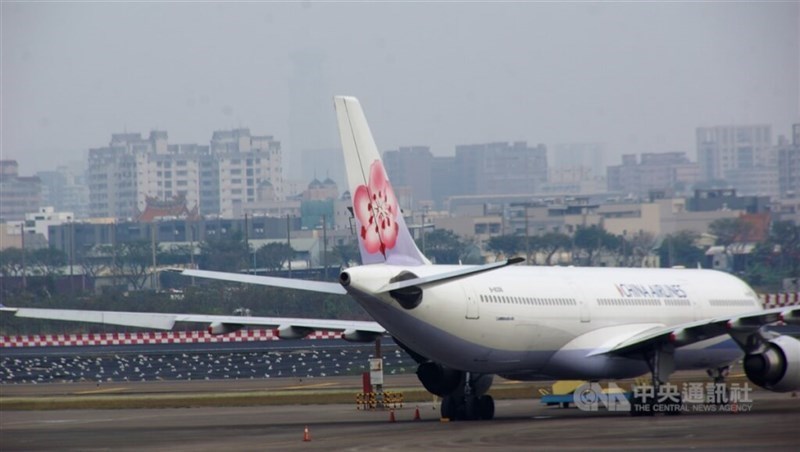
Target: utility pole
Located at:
point(71, 257)
point(247, 243)
point(24, 269)
point(422, 230)
point(191, 248)
point(289, 241)
point(153, 228)
point(113, 254)
point(527, 239)
point(325, 246)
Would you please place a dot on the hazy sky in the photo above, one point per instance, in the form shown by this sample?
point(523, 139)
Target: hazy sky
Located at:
point(638, 77)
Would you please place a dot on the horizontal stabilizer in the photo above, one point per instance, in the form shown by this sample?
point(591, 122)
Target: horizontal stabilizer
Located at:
point(442, 277)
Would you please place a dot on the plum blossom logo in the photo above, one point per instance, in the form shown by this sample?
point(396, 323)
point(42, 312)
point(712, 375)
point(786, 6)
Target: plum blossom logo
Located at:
point(376, 209)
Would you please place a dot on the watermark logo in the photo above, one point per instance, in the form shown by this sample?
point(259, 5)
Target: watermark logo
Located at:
point(667, 398)
point(592, 397)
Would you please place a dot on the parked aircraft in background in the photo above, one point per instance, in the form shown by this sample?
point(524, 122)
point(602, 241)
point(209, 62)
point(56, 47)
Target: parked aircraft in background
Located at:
point(465, 324)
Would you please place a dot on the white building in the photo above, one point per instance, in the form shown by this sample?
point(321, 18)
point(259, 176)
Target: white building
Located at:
point(245, 161)
point(724, 148)
point(217, 178)
point(38, 222)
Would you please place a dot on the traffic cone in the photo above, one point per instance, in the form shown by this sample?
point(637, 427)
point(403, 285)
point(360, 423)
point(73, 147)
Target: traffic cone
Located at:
point(306, 435)
point(391, 416)
point(416, 414)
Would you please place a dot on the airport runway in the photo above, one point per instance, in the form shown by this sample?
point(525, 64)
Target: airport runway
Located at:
point(520, 424)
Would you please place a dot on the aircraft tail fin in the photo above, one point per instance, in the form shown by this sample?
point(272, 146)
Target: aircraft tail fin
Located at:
point(383, 236)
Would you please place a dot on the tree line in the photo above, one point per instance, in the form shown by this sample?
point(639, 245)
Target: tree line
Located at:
point(765, 266)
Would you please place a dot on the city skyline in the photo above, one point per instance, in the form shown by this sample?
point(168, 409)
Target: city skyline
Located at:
point(637, 78)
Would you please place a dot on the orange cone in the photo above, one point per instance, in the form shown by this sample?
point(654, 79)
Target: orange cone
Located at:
point(306, 435)
point(391, 416)
point(416, 414)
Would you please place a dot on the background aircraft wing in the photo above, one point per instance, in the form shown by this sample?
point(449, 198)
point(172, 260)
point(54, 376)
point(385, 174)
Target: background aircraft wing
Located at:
point(288, 283)
point(287, 327)
point(739, 327)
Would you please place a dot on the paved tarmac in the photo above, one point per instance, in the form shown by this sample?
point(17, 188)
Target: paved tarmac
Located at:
point(519, 425)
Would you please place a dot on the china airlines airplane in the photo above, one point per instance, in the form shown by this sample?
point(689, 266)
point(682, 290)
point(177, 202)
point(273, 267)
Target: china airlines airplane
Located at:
point(464, 324)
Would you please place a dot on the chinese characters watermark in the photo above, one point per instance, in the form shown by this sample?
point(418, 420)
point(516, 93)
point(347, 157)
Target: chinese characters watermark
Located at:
point(667, 398)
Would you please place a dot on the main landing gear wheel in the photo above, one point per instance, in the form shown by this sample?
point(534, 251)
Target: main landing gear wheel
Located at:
point(468, 408)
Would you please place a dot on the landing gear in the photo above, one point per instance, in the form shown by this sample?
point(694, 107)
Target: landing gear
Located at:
point(648, 402)
point(468, 407)
point(719, 374)
point(721, 394)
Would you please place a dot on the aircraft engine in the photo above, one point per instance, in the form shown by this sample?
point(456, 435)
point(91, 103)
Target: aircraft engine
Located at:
point(438, 379)
point(444, 381)
point(778, 368)
point(408, 297)
point(223, 328)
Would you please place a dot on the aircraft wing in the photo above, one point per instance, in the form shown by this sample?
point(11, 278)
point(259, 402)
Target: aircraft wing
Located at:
point(291, 327)
point(287, 283)
point(738, 327)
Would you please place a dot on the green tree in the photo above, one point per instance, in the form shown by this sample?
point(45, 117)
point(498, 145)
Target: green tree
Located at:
point(133, 262)
point(443, 246)
point(274, 256)
point(11, 260)
point(729, 230)
point(679, 249)
point(224, 253)
point(506, 245)
point(177, 254)
point(550, 243)
point(48, 261)
point(593, 240)
point(635, 248)
point(95, 259)
point(776, 258)
point(347, 254)
point(786, 236)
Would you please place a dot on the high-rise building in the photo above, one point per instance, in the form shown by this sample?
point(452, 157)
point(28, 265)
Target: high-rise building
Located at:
point(66, 190)
point(18, 195)
point(500, 168)
point(444, 179)
point(585, 158)
point(112, 175)
point(670, 171)
point(789, 166)
point(411, 167)
point(244, 162)
point(724, 148)
point(215, 179)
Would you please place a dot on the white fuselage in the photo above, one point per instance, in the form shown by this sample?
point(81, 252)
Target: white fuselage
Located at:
point(542, 322)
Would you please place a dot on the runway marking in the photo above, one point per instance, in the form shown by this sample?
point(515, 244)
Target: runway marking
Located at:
point(317, 385)
point(100, 391)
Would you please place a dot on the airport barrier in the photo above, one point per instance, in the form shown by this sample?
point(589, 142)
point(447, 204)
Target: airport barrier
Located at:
point(150, 338)
point(371, 400)
point(779, 300)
